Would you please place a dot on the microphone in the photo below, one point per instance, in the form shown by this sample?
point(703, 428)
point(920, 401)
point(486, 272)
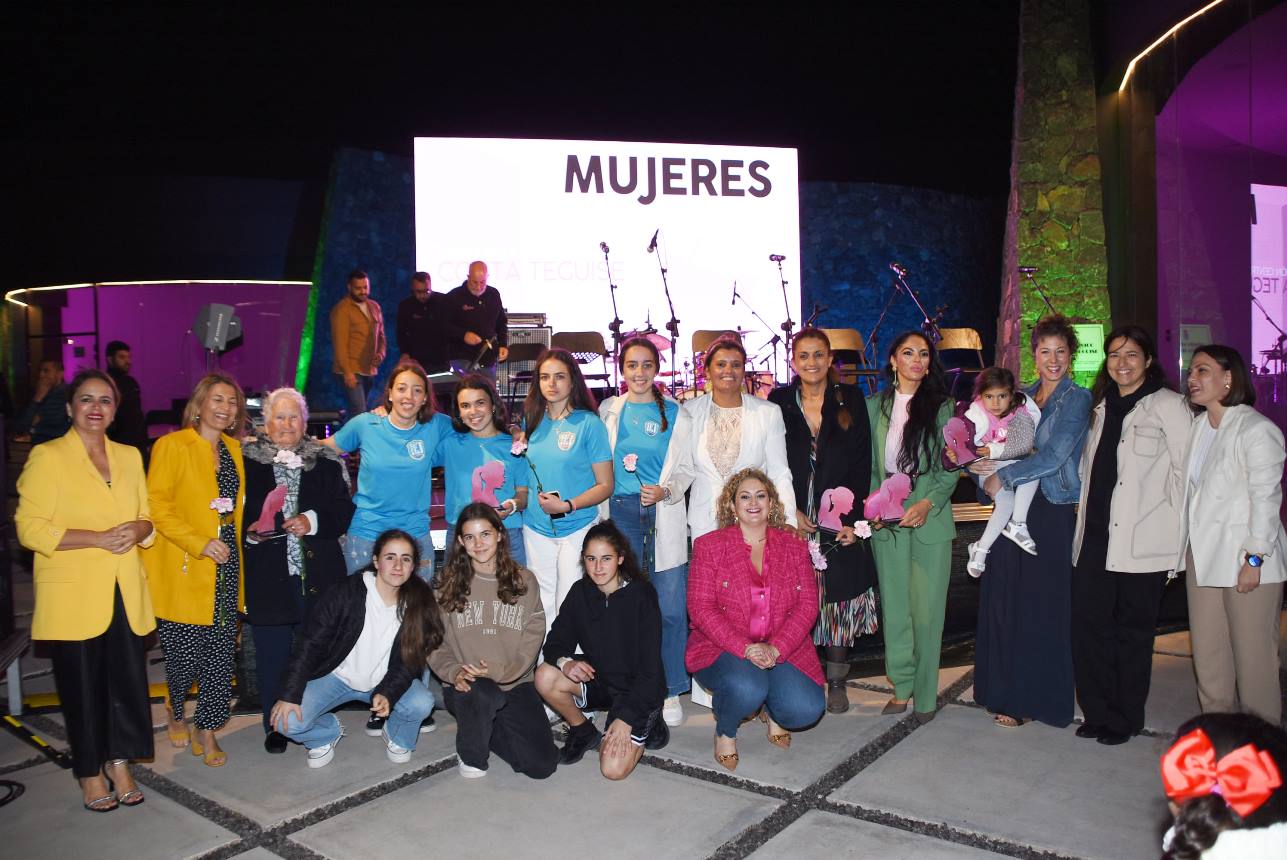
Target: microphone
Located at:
point(1028, 270)
point(603, 246)
point(819, 309)
point(652, 246)
point(734, 294)
point(898, 269)
point(776, 258)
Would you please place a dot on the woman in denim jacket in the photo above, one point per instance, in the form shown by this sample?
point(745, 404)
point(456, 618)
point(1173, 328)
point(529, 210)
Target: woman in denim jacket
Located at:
point(1023, 654)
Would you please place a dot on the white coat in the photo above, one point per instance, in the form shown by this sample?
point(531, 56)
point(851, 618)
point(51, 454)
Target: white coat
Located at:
point(672, 524)
point(763, 447)
point(1144, 520)
point(1233, 508)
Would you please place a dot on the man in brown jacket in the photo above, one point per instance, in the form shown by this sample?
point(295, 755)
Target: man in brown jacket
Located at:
point(357, 334)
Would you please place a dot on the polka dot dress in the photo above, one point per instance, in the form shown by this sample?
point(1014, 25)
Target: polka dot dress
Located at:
point(204, 652)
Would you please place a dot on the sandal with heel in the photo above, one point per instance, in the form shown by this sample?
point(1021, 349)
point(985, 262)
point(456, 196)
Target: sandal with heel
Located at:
point(728, 760)
point(134, 796)
point(213, 758)
point(782, 739)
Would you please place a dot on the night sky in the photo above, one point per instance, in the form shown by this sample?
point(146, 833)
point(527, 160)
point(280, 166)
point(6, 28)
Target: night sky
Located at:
point(913, 93)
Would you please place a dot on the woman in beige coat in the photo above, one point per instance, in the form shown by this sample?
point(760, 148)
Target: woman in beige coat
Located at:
point(1127, 535)
point(1231, 539)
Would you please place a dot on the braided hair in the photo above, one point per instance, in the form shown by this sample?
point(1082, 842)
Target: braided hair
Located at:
point(645, 343)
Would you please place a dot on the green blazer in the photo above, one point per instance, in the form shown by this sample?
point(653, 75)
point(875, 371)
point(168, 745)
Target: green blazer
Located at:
point(936, 485)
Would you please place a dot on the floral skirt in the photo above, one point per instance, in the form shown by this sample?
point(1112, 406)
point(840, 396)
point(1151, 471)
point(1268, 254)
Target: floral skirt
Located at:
point(840, 624)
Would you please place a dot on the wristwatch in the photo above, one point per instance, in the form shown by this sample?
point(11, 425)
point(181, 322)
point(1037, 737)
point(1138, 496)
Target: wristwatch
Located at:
point(1255, 560)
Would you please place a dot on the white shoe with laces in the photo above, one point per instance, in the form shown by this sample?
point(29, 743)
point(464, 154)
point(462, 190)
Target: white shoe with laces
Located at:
point(322, 756)
point(978, 560)
point(469, 772)
point(672, 711)
point(396, 754)
point(1018, 532)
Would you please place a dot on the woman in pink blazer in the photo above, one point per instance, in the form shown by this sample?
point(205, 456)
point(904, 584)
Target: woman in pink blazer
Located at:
point(753, 600)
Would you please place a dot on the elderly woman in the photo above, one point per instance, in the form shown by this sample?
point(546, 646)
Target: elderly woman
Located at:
point(82, 507)
point(1233, 537)
point(753, 599)
point(1022, 649)
point(297, 507)
point(196, 489)
point(1128, 533)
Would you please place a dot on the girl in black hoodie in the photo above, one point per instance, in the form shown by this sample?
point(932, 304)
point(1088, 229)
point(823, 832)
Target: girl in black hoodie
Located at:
point(612, 615)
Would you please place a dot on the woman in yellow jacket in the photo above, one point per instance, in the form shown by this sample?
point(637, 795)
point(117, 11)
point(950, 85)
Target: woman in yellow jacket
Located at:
point(196, 490)
point(83, 510)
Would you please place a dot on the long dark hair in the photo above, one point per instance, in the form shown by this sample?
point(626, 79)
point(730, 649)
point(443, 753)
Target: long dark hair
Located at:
point(921, 436)
point(1140, 336)
point(408, 365)
point(843, 416)
point(1201, 820)
point(534, 404)
point(645, 343)
point(478, 382)
point(417, 610)
point(999, 377)
point(452, 585)
point(607, 530)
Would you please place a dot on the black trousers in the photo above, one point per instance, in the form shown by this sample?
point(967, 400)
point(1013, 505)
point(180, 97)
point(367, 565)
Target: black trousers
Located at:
point(102, 684)
point(510, 723)
point(273, 644)
point(1114, 620)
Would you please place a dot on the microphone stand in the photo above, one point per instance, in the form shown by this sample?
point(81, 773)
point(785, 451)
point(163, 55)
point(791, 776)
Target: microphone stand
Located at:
point(787, 326)
point(813, 317)
point(1282, 337)
point(1036, 286)
point(615, 325)
point(672, 325)
point(775, 340)
point(928, 326)
point(871, 338)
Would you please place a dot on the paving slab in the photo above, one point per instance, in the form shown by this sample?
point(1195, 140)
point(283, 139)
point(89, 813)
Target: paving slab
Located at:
point(946, 678)
point(812, 754)
point(48, 821)
point(1177, 643)
point(14, 751)
point(650, 814)
point(257, 853)
point(824, 834)
point(1028, 785)
point(270, 789)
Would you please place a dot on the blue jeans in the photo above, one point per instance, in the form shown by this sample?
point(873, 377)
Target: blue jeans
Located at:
point(739, 687)
point(355, 398)
point(639, 525)
point(357, 554)
point(320, 727)
point(516, 549)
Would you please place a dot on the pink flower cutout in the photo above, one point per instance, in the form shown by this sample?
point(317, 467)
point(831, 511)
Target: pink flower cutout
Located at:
point(631, 462)
point(817, 556)
point(518, 449)
point(222, 504)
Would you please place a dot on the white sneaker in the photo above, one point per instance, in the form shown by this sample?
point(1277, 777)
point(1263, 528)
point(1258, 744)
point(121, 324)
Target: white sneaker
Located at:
point(321, 756)
point(672, 711)
point(470, 772)
point(1018, 532)
point(978, 560)
point(396, 754)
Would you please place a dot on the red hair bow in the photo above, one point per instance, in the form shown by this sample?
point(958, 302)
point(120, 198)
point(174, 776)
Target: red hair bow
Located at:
point(1245, 778)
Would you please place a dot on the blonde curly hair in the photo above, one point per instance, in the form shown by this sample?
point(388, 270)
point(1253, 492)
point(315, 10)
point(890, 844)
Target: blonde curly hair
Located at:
point(725, 511)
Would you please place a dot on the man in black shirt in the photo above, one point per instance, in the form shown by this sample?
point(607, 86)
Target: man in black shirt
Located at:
point(129, 427)
point(422, 333)
point(475, 315)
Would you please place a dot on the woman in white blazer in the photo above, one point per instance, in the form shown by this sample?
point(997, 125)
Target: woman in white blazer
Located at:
point(1231, 539)
point(647, 501)
point(730, 431)
point(1127, 534)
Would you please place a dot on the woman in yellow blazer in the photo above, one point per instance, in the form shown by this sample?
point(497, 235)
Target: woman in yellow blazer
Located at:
point(196, 490)
point(83, 510)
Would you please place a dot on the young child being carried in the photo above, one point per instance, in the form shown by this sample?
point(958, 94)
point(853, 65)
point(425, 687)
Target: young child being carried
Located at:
point(1002, 425)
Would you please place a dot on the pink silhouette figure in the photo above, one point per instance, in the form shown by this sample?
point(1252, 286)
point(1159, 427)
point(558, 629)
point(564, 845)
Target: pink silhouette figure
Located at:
point(487, 479)
point(887, 502)
point(835, 504)
point(957, 433)
point(273, 503)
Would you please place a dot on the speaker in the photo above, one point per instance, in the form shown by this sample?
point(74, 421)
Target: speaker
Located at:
point(537, 336)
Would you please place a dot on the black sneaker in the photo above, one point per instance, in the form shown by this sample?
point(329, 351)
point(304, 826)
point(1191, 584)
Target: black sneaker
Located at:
point(581, 739)
point(659, 736)
point(428, 725)
point(275, 743)
point(375, 726)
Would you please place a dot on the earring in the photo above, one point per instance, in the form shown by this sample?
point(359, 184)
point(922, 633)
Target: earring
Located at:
point(1226, 385)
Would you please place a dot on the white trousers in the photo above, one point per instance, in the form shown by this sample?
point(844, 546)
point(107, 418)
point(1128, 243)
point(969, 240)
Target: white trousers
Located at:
point(557, 565)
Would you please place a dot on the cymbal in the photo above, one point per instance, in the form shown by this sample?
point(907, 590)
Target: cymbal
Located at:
point(662, 344)
point(670, 373)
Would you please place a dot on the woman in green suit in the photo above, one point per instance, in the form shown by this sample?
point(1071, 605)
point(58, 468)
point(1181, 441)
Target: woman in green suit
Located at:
point(914, 558)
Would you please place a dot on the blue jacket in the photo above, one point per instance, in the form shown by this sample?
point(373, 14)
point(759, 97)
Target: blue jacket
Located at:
point(1061, 435)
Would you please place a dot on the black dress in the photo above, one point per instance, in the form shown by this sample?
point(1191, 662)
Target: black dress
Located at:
point(837, 458)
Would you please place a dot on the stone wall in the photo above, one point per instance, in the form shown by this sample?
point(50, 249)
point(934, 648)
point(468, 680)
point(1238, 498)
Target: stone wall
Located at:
point(1054, 216)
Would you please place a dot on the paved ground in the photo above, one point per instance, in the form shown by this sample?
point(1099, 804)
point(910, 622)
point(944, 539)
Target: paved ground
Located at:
point(860, 784)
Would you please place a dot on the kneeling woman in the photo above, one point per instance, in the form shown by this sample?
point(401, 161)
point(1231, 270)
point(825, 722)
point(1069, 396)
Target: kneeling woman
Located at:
point(367, 640)
point(612, 614)
point(494, 626)
point(753, 599)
